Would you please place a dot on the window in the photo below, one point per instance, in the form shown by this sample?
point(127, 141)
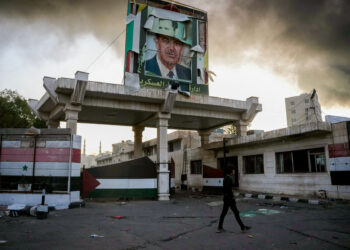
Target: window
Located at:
point(292, 103)
point(301, 161)
point(196, 167)
point(294, 120)
point(253, 164)
point(306, 110)
point(148, 151)
point(307, 100)
point(293, 111)
point(174, 145)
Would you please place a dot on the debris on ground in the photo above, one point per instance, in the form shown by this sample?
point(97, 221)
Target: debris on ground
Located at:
point(16, 209)
point(261, 211)
point(96, 236)
point(118, 217)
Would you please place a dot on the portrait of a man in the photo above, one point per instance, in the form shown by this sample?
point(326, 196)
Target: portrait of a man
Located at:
point(166, 62)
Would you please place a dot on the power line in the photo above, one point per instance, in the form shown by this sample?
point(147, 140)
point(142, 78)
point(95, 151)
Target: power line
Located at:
point(101, 54)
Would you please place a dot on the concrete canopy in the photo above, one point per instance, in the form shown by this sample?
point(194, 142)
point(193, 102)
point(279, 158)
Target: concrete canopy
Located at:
point(113, 104)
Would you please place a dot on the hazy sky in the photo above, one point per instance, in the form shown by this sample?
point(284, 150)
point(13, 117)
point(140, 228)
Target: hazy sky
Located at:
point(271, 49)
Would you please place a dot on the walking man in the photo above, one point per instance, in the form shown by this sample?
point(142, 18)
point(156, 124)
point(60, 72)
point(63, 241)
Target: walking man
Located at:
point(229, 201)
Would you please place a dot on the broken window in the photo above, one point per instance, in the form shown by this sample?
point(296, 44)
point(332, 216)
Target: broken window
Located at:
point(196, 167)
point(253, 164)
point(301, 161)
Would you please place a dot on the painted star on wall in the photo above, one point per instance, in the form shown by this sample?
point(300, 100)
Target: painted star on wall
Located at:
point(25, 168)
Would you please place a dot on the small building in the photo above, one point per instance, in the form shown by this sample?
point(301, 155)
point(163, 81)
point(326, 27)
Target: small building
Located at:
point(302, 109)
point(301, 160)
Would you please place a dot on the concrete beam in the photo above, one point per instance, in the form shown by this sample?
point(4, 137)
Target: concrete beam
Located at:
point(249, 114)
point(57, 112)
point(50, 86)
point(78, 95)
point(170, 98)
point(33, 104)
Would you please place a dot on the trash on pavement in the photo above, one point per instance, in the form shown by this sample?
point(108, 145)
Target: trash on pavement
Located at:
point(96, 236)
point(262, 211)
point(118, 217)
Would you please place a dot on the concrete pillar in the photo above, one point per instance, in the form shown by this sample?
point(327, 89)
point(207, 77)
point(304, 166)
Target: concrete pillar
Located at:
point(138, 141)
point(204, 134)
point(162, 156)
point(242, 127)
point(71, 117)
point(52, 123)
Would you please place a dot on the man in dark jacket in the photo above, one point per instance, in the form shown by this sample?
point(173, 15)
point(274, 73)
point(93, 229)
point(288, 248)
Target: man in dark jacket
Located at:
point(229, 201)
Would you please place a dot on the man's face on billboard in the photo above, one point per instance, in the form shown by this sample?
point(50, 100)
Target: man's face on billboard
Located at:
point(169, 50)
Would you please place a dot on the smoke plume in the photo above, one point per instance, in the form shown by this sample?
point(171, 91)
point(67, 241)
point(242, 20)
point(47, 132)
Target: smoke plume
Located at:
point(306, 40)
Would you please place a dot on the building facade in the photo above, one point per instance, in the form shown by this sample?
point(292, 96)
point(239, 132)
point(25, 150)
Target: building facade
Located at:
point(302, 109)
point(302, 160)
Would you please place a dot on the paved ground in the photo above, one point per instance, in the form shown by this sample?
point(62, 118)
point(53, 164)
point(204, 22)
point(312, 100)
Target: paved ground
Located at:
point(185, 222)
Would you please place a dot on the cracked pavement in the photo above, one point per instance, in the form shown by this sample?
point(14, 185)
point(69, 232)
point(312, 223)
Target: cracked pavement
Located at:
point(185, 222)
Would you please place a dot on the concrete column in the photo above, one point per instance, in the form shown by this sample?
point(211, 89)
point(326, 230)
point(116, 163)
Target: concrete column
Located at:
point(52, 123)
point(138, 141)
point(71, 117)
point(204, 134)
point(242, 127)
point(162, 156)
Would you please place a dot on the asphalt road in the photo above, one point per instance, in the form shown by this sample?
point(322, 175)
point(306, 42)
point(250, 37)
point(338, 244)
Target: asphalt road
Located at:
point(185, 222)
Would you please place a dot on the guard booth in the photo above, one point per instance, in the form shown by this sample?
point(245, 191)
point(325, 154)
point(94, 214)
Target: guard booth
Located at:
point(36, 159)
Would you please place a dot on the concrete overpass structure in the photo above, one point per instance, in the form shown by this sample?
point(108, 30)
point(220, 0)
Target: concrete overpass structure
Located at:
point(79, 100)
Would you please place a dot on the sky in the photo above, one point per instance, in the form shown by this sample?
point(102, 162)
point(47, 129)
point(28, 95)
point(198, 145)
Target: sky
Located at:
point(270, 49)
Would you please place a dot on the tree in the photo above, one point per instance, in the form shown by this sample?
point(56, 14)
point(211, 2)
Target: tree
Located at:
point(15, 112)
point(230, 129)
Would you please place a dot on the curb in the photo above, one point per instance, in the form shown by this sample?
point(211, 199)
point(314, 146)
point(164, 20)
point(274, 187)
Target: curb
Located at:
point(282, 198)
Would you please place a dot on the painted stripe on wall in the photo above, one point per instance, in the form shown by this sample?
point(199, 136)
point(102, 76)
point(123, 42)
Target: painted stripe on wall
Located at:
point(77, 142)
point(41, 168)
point(338, 150)
point(57, 144)
point(209, 172)
point(127, 183)
point(213, 182)
point(11, 144)
point(58, 183)
point(125, 193)
point(339, 164)
point(42, 155)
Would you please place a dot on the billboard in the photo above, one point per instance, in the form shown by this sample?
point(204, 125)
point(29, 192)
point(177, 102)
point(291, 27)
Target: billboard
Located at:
point(166, 44)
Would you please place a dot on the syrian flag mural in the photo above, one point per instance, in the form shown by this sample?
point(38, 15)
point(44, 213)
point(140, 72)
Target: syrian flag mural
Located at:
point(212, 179)
point(339, 154)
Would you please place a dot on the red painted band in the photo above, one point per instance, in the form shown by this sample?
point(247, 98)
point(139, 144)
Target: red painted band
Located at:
point(42, 155)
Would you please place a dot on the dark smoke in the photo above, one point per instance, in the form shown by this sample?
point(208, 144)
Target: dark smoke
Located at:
point(306, 39)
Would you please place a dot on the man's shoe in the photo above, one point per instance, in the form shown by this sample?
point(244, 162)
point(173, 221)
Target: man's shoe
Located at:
point(246, 228)
point(220, 230)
